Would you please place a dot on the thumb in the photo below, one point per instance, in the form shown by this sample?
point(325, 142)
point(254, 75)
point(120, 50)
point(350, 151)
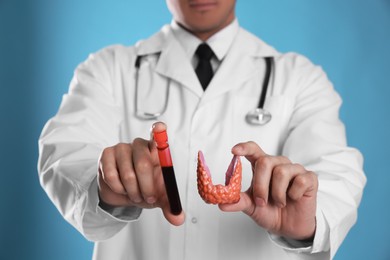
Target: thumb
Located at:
point(245, 204)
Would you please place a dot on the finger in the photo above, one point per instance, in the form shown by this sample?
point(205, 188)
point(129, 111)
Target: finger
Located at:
point(110, 197)
point(144, 168)
point(282, 176)
point(250, 150)
point(109, 172)
point(156, 128)
point(127, 173)
point(261, 166)
point(176, 220)
point(245, 204)
point(303, 185)
point(262, 175)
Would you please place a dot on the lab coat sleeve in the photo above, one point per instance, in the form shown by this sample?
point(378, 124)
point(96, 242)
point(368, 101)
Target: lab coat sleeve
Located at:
point(71, 143)
point(316, 138)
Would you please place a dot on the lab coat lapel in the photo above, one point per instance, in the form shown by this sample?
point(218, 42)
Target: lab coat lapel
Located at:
point(239, 65)
point(173, 62)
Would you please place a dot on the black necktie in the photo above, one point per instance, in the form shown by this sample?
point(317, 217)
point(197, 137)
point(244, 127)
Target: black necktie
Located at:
point(204, 70)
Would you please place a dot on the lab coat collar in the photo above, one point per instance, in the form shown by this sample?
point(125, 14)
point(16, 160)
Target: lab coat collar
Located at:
point(219, 42)
point(222, 40)
point(240, 61)
point(174, 63)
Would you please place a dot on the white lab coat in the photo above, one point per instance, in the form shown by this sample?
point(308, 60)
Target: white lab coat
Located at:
point(99, 112)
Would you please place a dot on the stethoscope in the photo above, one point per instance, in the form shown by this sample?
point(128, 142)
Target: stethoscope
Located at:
point(257, 116)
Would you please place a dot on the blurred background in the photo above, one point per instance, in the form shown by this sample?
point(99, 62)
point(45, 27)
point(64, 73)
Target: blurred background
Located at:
point(42, 41)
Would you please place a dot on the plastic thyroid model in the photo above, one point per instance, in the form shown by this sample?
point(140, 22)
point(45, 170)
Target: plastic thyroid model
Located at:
point(219, 194)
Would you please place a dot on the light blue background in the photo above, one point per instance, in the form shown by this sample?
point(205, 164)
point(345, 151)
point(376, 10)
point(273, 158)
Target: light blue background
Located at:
point(42, 41)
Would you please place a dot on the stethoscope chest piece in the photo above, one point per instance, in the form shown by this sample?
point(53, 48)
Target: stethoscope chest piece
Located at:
point(258, 116)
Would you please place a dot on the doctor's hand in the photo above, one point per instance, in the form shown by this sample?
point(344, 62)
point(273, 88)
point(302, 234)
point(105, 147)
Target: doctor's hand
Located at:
point(282, 196)
point(130, 175)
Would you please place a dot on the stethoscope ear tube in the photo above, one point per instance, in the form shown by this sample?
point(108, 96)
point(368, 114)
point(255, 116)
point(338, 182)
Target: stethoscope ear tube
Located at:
point(260, 116)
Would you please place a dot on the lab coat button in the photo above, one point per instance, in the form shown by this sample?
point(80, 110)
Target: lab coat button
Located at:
point(194, 220)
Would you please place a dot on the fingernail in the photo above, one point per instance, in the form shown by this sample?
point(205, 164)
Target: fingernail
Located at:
point(137, 200)
point(280, 205)
point(260, 202)
point(150, 200)
point(237, 148)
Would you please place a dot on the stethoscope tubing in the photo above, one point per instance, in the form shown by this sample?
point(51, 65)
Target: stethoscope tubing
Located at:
point(268, 69)
point(258, 116)
point(147, 115)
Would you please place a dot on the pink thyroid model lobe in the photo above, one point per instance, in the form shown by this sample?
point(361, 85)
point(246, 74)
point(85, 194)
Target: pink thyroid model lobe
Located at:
point(219, 194)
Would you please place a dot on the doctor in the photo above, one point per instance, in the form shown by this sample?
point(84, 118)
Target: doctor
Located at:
point(302, 184)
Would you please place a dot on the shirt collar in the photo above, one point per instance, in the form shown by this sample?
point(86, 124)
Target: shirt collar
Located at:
point(219, 42)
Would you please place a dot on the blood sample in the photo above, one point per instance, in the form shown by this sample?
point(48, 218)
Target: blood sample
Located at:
point(168, 172)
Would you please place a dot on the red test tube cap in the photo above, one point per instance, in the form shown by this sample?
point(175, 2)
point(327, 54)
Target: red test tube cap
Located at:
point(161, 139)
